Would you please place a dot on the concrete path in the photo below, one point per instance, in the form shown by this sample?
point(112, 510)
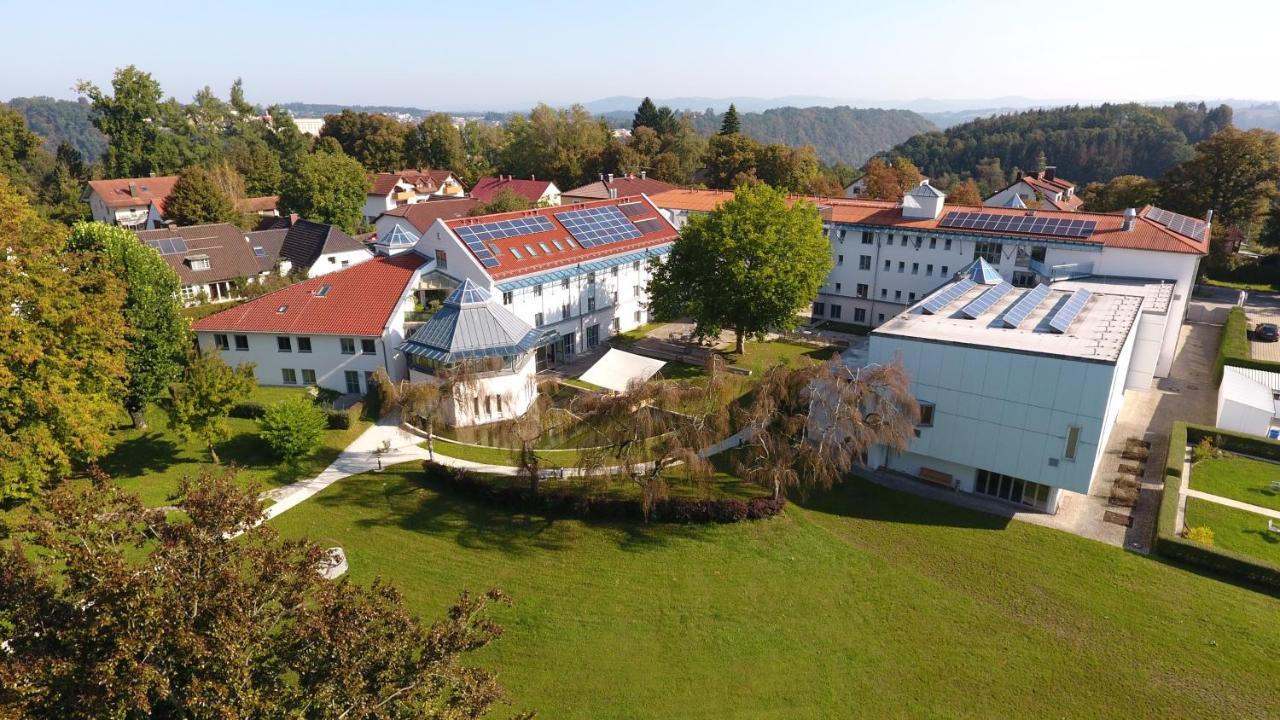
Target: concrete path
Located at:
point(1274, 514)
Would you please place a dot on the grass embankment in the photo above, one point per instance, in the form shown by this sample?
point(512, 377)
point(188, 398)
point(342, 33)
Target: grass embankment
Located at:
point(151, 462)
point(1238, 478)
point(1238, 530)
point(863, 603)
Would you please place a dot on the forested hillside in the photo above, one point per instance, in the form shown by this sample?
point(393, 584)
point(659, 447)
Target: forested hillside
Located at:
point(1085, 143)
point(59, 121)
point(839, 134)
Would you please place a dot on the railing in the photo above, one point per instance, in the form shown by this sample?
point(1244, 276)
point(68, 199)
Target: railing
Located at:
point(1068, 271)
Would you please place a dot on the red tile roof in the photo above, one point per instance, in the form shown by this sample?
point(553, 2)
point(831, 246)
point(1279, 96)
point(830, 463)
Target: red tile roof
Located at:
point(266, 203)
point(1145, 235)
point(431, 180)
point(424, 214)
point(116, 193)
point(508, 266)
point(532, 190)
point(359, 302)
point(622, 187)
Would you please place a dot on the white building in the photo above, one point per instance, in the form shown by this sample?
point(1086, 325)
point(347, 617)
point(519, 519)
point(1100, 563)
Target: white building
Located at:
point(312, 249)
point(1020, 388)
point(1249, 401)
point(1042, 190)
point(134, 203)
point(407, 187)
point(886, 256)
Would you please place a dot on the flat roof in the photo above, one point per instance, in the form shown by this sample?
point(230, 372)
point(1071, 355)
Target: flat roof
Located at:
point(1097, 334)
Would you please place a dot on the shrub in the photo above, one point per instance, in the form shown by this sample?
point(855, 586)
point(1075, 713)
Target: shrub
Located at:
point(248, 410)
point(1204, 450)
point(1136, 453)
point(1202, 535)
point(338, 419)
point(293, 428)
point(1124, 496)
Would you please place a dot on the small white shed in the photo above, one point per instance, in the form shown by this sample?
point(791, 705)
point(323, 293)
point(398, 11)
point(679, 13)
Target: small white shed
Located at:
point(1247, 401)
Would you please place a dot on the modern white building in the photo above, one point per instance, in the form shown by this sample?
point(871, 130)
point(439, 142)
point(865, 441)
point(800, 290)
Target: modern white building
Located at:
point(407, 187)
point(133, 203)
point(886, 256)
point(1020, 387)
point(1249, 401)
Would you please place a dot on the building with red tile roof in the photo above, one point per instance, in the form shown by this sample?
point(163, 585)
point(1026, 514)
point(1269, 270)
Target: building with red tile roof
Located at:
point(135, 203)
point(611, 186)
point(391, 190)
point(538, 192)
point(1044, 190)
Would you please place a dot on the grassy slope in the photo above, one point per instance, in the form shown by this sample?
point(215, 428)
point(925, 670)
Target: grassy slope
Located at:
point(867, 603)
point(151, 462)
point(1238, 530)
point(1238, 478)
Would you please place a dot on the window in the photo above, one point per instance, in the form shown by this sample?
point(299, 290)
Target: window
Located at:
point(442, 259)
point(636, 266)
point(614, 271)
point(289, 375)
point(498, 399)
point(904, 241)
point(842, 233)
point(884, 292)
point(283, 344)
point(902, 266)
point(220, 342)
point(506, 297)
point(537, 319)
point(946, 244)
point(1073, 442)
point(530, 250)
point(911, 297)
point(304, 344)
point(242, 342)
point(837, 287)
point(333, 260)
point(613, 298)
point(558, 245)
point(1024, 279)
point(537, 291)
point(897, 294)
point(199, 263)
point(859, 315)
point(639, 316)
point(928, 269)
point(308, 377)
point(488, 404)
point(835, 311)
point(915, 268)
point(544, 247)
point(515, 253)
point(564, 283)
point(933, 243)
point(887, 265)
point(593, 336)
point(869, 237)
point(564, 311)
point(819, 309)
point(864, 262)
point(880, 317)
point(367, 347)
point(591, 278)
point(348, 346)
point(1012, 489)
point(636, 290)
point(926, 414)
point(591, 304)
point(839, 259)
point(989, 251)
point(944, 271)
point(475, 405)
point(862, 290)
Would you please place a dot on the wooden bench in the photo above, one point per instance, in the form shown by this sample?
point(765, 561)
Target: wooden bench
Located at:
point(1273, 527)
point(936, 477)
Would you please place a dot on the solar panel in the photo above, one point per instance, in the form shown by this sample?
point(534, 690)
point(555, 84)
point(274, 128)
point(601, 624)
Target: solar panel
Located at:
point(984, 301)
point(1028, 224)
point(169, 246)
point(649, 225)
point(633, 208)
point(1021, 309)
point(1180, 224)
point(598, 226)
point(1064, 315)
point(935, 304)
point(475, 236)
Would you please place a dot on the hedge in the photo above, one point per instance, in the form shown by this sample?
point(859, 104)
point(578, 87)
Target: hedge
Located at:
point(1171, 545)
point(248, 410)
point(558, 503)
point(1233, 349)
point(339, 419)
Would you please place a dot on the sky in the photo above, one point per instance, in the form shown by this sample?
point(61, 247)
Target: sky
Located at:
point(500, 55)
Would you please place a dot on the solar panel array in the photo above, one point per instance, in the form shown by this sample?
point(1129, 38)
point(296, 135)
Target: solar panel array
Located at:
point(632, 209)
point(1019, 311)
point(1066, 314)
point(169, 246)
point(598, 225)
point(649, 225)
point(475, 236)
point(984, 301)
point(1180, 224)
point(936, 303)
point(1030, 224)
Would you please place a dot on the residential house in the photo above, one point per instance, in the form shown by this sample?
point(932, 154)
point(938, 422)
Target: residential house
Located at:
point(209, 259)
point(312, 249)
point(610, 186)
point(1042, 190)
point(134, 203)
point(406, 187)
point(267, 206)
point(398, 229)
point(542, 193)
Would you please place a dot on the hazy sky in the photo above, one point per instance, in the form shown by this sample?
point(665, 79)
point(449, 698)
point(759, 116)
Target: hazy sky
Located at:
point(461, 54)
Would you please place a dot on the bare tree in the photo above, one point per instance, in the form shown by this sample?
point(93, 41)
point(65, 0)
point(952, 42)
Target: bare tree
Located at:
point(528, 430)
point(808, 426)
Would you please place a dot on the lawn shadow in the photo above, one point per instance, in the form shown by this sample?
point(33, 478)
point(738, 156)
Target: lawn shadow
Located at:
point(857, 497)
point(152, 452)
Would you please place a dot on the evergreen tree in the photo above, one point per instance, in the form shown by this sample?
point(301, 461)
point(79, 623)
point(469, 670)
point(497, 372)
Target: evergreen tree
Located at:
point(646, 116)
point(197, 199)
point(731, 124)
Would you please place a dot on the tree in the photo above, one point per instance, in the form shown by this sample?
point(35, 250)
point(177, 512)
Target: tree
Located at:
point(483, 144)
point(420, 405)
point(731, 124)
point(908, 175)
point(238, 103)
point(1233, 173)
point(62, 352)
point(375, 140)
point(731, 160)
point(129, 120)
point(156, 330)
point(289, 144)
point(1119, 193)
point(646, 116)
point(787, 168)
point(327, 187)
point(504, 200)
point(203, 400)
point(252, 157)
point(808, 426)
point(882, 181)
point(435, 143)
point(1270, 234)
point(965, 193)
point(564, 145)
point(748, 266)
point(293, 428)
point(197, 199)
point(113, 610)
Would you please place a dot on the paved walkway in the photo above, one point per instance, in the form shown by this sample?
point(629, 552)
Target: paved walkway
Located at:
point(1274, 514)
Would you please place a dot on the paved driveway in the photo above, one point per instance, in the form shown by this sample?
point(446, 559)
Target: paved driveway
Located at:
point(1264, 308)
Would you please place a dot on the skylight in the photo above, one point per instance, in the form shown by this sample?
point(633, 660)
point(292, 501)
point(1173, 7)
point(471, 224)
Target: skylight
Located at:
point(323, 290)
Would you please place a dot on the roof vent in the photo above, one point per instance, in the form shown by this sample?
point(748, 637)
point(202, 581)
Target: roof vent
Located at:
point(282, 308)
point(1130, 217)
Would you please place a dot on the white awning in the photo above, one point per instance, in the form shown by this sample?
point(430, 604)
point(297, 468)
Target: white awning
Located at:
point(617, 369)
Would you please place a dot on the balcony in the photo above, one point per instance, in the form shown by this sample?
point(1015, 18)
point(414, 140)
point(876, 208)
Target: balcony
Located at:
point(1053, 273)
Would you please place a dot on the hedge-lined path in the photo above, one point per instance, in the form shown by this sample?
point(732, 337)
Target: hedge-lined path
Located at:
point(1255, 509)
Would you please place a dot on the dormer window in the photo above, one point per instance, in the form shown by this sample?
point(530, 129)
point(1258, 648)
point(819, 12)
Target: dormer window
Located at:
point(259, 251)
point(198, 262)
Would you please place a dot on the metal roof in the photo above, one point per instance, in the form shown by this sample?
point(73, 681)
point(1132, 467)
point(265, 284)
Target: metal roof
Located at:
point(470, 325)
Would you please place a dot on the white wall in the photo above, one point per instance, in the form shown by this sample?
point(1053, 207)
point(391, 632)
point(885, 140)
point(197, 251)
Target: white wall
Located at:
point(325, 358)
point(331, 262)
point(517, 390)
point(375, 205)
point(1238, 401)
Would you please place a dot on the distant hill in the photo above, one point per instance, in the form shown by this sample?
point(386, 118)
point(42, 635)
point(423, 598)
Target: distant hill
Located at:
point(59, 121)
point(838, 134)
point(1262, 115)
point(1085, 143)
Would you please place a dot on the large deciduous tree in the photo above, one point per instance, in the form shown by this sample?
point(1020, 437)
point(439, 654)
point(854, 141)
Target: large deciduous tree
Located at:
point(1119, 193)
point(1233, 173)
point(561, 145)
point(503, 201)
point(111, 610)
point(327, 187)
point(202, 401)
point(157, 332)
point(130, 120)
point(731, 160)
point(435, 143)
point(375, 140)
point(748, 266)
point(198, 198)
point(62, 351)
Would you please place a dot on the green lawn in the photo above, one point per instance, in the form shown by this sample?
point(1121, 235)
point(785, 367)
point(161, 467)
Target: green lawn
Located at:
point(863, 603)
point(1238, 530)
point(152, 461)
point(1238, 478)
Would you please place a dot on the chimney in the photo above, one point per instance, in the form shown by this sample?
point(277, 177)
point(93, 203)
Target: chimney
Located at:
point(1130, 218)
point(1050, 172)
point(601, 177)
point(613, 193)
point(642, 174)
point(1208, 222)
point(532, 176)
point(133, 189)
point(610, 176)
